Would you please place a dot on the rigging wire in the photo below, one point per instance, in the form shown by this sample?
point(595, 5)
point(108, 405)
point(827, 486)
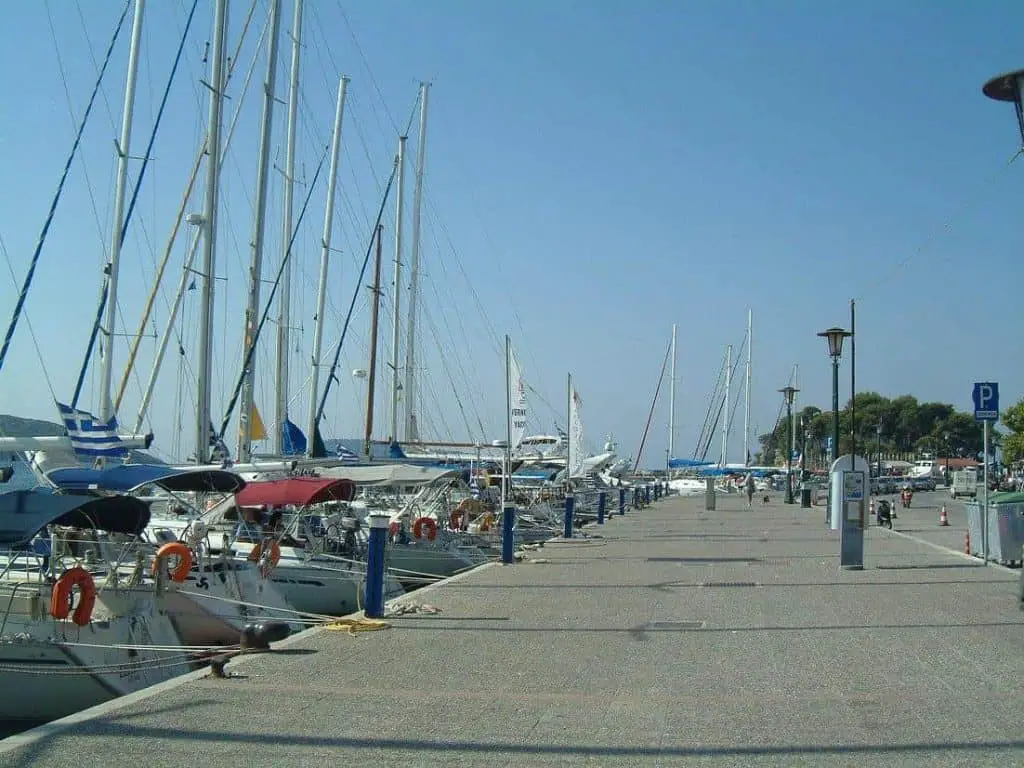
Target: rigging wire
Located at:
point(661, 378)
point(104, 291)
point(19, 305)
point(270, 299)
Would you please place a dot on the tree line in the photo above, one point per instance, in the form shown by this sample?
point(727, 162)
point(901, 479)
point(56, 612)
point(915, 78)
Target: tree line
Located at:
point(900, 427)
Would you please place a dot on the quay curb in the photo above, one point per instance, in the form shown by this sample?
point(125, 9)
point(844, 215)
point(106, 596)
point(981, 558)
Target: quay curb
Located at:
point(52, 728)
point(950, 551)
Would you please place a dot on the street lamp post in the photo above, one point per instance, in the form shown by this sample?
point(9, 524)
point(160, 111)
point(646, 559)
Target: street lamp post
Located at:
point(878, 446)
point(945, 436)
point(788, 393)
point(835, 337)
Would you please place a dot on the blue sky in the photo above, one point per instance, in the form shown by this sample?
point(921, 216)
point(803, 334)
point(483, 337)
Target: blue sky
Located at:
point(596, 171)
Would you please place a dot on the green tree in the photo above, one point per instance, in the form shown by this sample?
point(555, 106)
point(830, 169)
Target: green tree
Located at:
point(1013, 443)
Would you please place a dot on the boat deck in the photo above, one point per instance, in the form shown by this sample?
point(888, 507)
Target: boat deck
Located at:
point(673, 636)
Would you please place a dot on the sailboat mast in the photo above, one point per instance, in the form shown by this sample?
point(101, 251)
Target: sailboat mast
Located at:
point(252, 309)
point(114, 265)
point(568, 432)
point(414, 272)
point(508, 421)
point(795, 409)
point(746, 388)
point(725, 421)
point(396, 325)
point(372, 378)
point(209, 224)
point(672, 401)
point(325, 255)
point(284, 308)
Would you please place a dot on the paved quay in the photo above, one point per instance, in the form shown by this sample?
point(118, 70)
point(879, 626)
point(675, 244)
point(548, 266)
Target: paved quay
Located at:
point(679, 637)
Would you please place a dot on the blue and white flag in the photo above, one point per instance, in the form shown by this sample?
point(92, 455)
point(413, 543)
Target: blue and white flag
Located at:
point(88, 435)
point(347, 456)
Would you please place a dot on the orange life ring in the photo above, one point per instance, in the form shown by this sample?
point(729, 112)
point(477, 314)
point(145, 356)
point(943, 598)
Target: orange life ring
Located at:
point(455, 520)
point(430, 523)
point(175, 549)
point(257, 552)
point(60, 597)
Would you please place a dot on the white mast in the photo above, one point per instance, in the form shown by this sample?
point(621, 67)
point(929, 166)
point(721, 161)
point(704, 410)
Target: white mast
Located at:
point(792, 431)
point(252, 310)
point(284, 309)
point(325, 253)
point(672, 400)
point(414, 272)
point(508, 422)
point(396, 292)
point(114, 265)
point(746, 387)
point(725, 421)
point(209, 224)
point(568, 431)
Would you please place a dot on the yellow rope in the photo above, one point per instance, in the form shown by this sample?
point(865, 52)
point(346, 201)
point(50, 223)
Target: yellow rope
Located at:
point(354, 626)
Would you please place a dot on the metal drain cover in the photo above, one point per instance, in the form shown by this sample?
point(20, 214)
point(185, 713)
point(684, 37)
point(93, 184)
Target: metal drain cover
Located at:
point(730, 584)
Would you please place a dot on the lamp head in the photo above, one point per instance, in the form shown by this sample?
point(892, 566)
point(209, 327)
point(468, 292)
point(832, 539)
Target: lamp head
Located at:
point(834, 337)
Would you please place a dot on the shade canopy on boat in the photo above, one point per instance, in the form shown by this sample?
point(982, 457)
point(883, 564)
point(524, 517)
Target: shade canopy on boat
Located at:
point(23, 514)
point(297, 491)
point(397, 475)
point(677, 463)
point(126, 478)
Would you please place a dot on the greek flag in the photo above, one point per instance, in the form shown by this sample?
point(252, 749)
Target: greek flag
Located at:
point(347, 456)
point(474, 487)
point(88, 435)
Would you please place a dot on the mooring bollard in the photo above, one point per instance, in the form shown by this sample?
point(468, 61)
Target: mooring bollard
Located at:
point(600, 508)
point(622, 500)
point(647, 495)
point(373, 598)
point(570, 504)
point(508, 522)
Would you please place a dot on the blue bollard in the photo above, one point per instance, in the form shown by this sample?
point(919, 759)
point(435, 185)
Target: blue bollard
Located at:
point(622, 501)
point(647, 496)
point(508, 522)
point(570, 504)
point(600, 508)
point(373, 598)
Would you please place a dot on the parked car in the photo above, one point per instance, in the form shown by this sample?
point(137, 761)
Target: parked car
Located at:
point(923, 484)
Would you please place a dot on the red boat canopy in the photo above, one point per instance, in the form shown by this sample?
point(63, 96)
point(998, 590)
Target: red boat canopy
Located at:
point(300, 491)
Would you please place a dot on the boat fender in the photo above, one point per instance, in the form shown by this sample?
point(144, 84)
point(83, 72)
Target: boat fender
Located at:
point(429, 523)
point(257, 552)
point(259, 636)
point(60, 598)
point(174, 549)
point(486, 522)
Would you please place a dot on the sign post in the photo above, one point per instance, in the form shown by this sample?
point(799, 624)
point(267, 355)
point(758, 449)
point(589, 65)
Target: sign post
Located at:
point(986, 410)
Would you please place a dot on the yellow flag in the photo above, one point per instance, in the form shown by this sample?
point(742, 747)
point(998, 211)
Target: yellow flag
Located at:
point(259, 432)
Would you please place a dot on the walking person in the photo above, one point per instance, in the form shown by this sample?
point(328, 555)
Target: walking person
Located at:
point(750, 489)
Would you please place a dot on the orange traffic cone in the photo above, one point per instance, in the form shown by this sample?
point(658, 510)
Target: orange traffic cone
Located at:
point(943, 517)
point(967, 542)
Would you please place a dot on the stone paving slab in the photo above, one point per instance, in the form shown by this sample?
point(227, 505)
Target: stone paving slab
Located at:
point(674, 636)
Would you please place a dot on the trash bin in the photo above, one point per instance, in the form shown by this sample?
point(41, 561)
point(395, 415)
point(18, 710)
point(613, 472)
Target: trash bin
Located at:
point(1005, 527)
point(805, 496)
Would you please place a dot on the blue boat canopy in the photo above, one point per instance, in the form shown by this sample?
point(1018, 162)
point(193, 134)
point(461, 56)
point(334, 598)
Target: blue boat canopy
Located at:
point(126, 478)
point(679, 463)
point(23, 514)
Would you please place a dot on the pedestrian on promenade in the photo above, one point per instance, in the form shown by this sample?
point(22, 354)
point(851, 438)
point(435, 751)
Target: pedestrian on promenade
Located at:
point(750, 489)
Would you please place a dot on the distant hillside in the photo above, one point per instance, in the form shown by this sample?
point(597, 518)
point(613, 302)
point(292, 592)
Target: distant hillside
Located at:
point(16, 426)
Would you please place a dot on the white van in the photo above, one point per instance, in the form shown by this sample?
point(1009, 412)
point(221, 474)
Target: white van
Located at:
point(966, 483)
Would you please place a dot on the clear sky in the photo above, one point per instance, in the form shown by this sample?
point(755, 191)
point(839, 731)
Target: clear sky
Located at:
point(596, 171)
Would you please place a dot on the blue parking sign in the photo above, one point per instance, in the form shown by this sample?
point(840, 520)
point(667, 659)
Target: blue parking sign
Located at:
point(986, 401)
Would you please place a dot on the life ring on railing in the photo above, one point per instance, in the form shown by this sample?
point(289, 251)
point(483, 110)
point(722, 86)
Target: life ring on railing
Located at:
point(60, 597)
point(455, 520)
point(257, 552)
point(184, 555)
point(486, 522)
point(431, 526)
